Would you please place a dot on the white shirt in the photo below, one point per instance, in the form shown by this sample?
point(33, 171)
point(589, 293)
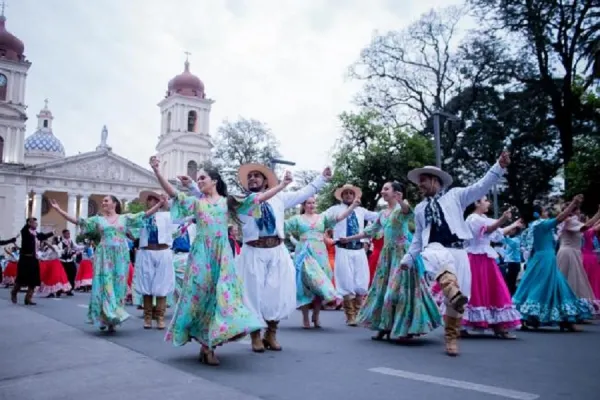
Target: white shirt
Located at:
point(481, 241)
point(164, 226)
point(340, 229)
point(453, 204)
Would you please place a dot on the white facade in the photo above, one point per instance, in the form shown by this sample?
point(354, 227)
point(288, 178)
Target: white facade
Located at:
point(184, 140)
point(13, 76)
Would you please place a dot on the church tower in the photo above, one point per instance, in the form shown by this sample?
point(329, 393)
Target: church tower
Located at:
point(13, 75)
point(184, 142)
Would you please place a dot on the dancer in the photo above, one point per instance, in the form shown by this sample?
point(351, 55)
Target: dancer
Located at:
point(313, 273)
point(85, 272)
point(210, 308)
point(185, 234)
point(154, 276)
point(53, 277)
point(490, 305)
point(512, 259)
point(28, 267)
point(399, 304)
point(351, 263)
point(570, 258)
point(440, 232)
point(544, 297)
point(232, 234)
point(111, 260)
point(591, 263)
point(377, 242)
point(10, 271)
point(67, 257)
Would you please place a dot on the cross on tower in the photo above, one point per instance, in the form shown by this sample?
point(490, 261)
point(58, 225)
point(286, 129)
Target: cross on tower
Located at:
point(3, 7)
point(187, 55)
point(45, 103)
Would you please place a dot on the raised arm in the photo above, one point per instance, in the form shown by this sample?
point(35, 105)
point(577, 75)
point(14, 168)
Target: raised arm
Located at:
point(592, 221)
point(157, 206)
point(287, 179)
point(518, 224)
point(163, 182)
point(9, 241)
point(292, 199)
point(470, 194)
point(506, 216)
point(44, 236)
point(62, 213)
point(191, 186)
point(346, 213)
point(576, 202)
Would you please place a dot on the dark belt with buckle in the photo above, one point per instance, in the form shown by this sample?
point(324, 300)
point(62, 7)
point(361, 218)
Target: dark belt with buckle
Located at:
point(156, 247)
point(267, 242)
point(351, 245)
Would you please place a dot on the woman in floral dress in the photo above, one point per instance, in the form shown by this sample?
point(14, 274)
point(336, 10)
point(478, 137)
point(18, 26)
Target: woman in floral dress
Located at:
point(111, 260)
point(313, 273)
point(210, 307)
point(399, 304)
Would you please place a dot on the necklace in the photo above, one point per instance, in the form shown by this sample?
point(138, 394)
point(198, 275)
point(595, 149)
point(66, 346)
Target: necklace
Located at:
point(112, 219)
point(213, 199)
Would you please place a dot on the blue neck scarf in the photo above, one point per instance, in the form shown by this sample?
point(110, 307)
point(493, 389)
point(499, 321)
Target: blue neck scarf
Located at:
point(266, 222)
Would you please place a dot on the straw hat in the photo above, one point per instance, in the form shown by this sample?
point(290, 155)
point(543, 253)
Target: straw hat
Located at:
point(144, 194)
point(445, 177)
point(245, 169)
point(352, 188)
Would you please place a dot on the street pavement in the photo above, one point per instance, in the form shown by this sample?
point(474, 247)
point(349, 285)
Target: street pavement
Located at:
point(49, 352)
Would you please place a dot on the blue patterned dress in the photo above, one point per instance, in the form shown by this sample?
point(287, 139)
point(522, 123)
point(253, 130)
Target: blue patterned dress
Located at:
point(399, 300)
point(111, 267)
point(210, 308)
point(313, 272)
point(544, 297)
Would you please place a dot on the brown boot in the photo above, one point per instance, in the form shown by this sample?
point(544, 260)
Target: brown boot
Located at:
point(449, 285)
point(349, 311)
point(147, 312)
point(270, 339)
point(358, 303)
point(13, 294)
point(29, 297)
point(257, 343)
point(451, 334)
point(161, 309)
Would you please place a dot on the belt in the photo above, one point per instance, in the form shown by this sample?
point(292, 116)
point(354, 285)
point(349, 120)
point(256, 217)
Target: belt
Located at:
point(350, 246)
point(156, 247)
point(267, 242)
point(180, 251)
point(460, 245)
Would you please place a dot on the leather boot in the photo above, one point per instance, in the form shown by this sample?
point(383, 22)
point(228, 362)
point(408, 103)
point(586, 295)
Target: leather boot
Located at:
point(270, 339)
point(451, 334)
point(13, 293)
point(29, 298)
point(257, 343)
point(147, 312)
point(349, 311)
point(449, 285)
point(161, 309)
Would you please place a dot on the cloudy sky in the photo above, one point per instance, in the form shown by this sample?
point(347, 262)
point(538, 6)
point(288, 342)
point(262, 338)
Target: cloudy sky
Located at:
point(283, 62)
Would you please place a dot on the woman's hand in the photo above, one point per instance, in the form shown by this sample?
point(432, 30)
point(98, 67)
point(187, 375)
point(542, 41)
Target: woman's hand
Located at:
point(54, 204)
point(287, 179)
point(327, 174)
point(154, 163)
point(185, 180)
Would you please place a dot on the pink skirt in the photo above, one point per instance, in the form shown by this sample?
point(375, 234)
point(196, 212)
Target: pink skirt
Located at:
point(54, 278)
point(592, 270)
point(490, 305)
point(85, 274)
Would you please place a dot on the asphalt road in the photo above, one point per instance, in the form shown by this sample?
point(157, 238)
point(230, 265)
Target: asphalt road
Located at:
point(339, 362)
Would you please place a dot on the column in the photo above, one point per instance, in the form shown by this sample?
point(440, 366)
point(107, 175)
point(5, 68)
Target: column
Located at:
point(83, 206)
point(72, 211)
point(37, 207)
point(124, 204)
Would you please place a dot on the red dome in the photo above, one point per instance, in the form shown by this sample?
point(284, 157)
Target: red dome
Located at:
point(10, 46)
point(186, 84)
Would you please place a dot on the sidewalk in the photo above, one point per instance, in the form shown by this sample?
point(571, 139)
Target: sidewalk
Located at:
point(43, 359)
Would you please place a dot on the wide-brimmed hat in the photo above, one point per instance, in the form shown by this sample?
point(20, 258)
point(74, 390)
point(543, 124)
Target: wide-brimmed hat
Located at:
point(347, 186)
point(445, 177)
point(269, 175)
point(144, 194)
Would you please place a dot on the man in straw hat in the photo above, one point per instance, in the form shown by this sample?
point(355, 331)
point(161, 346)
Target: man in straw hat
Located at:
point(264, 264)
point(154, 274)
point(440, 232)
point(351, 264)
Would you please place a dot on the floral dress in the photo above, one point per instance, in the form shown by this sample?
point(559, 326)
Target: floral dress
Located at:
point(210, 308)
point(399, 300)
point(111, 266)
point(311, 259)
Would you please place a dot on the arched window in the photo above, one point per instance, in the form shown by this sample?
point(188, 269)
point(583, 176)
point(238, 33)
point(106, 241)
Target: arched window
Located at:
point(45, 123)
point(192, 119)
point(169, 122)
point(3, 86)
point(192, 169)
point(1, 149)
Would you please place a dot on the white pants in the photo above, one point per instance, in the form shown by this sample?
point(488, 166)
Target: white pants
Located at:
point(269, 280)
point(351, 272)
point(154, 273)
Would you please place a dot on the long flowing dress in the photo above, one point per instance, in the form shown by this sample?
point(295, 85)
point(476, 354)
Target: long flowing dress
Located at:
point(570, 263)
point(399, 300)
point(313, 272)
point(490, 305)
point(111, 267)
point(210, 308)
point(590, 261)
point(544, 296)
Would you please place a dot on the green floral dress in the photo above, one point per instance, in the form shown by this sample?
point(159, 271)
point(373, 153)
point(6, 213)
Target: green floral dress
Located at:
point(210, 308)
point(313, 272)
point(399, 301)
point(111, 267)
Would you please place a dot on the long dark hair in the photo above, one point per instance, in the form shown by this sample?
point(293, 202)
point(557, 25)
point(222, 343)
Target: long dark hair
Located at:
point(303, 206)
point(118, 209)
point(398, 187)
point(221, 186)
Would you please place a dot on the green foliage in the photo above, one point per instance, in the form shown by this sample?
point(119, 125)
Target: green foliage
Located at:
point(583, 173)
point(94, 236)
point(135, 207)
point(369, 154)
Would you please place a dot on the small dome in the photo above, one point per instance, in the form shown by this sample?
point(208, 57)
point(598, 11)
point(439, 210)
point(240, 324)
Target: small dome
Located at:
point(44, 141)
point(10, 46)
point(186, 84)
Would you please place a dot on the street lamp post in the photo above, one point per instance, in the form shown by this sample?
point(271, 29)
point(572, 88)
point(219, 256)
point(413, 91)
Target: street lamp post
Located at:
point(436, 133)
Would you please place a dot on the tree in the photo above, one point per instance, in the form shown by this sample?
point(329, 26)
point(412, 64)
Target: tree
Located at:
point(371, 153)
point(583, 173)
point(135, 207)
point(303, 177)
point(241, 142)
point(557, 37)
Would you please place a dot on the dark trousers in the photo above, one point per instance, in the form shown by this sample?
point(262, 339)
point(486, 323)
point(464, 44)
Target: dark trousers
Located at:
point(511, 273)
point(71, 271)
